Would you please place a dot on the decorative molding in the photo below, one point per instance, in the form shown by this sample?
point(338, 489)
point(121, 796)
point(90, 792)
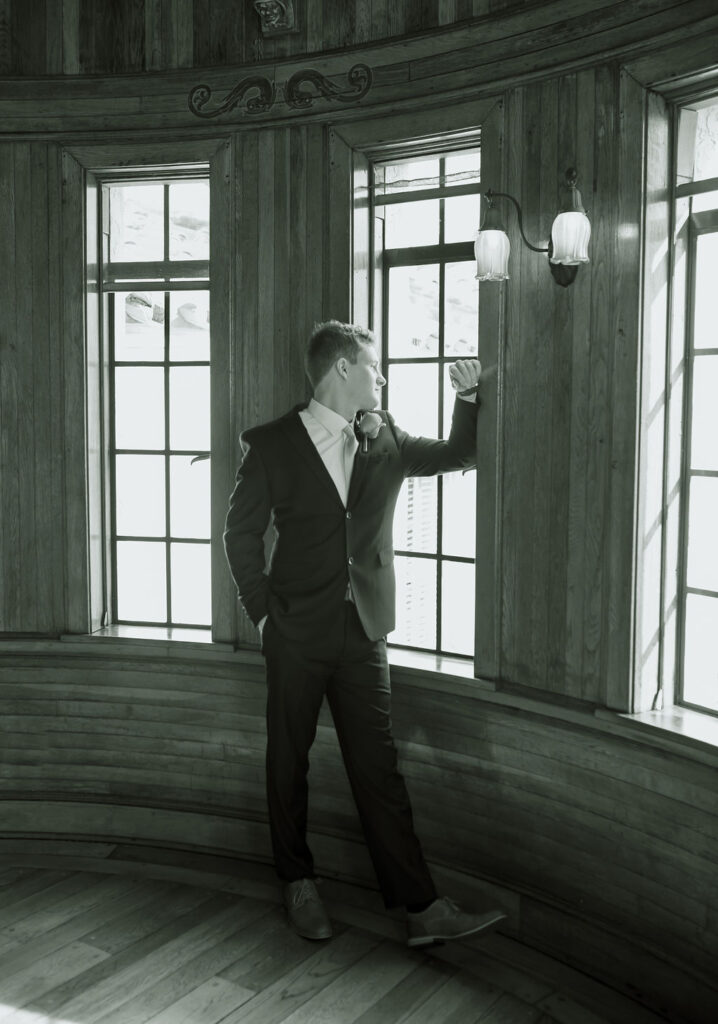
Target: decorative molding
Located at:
point(359, 78)
point(276, 16)
point(200, 95)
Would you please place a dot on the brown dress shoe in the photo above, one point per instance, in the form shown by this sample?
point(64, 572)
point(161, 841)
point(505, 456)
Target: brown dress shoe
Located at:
point(444, 920)
point(305, 909)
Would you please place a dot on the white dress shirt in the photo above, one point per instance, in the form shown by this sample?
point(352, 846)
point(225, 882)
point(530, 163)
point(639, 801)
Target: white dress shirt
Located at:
point(326, 430)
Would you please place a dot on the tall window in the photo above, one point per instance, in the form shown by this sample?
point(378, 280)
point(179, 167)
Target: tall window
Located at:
point(155, 282)
point(426, 213)
point(698, 592)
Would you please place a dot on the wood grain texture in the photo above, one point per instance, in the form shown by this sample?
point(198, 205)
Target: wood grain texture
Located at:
point(561, 820)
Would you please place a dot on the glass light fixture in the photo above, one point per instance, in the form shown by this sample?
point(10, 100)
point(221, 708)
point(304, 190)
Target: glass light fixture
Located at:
point(571, 229)
point(567, 249)
point(492, 247)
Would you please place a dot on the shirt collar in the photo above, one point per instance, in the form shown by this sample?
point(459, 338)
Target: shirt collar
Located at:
point(330, 420)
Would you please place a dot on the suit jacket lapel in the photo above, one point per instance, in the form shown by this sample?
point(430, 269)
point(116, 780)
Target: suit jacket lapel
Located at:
point(302, 443)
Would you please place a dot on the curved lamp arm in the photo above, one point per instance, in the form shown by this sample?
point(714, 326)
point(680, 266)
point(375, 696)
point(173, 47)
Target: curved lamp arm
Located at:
point(491, 195)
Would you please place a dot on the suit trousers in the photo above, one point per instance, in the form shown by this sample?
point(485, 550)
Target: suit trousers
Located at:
point(353, 672)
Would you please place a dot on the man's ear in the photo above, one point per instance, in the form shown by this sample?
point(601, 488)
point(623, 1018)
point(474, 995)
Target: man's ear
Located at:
point(341, 365)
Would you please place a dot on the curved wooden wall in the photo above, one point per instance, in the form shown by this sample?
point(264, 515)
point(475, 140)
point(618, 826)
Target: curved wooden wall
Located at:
point(602, 848)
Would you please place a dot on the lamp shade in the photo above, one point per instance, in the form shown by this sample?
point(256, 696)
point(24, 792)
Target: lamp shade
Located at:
point(491, 250)
point(570, 235)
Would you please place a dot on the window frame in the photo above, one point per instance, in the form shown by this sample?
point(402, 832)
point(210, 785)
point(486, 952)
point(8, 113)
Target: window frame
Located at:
point(441, 253)
point(699, 223)
point(118, 277)
point(86, 374)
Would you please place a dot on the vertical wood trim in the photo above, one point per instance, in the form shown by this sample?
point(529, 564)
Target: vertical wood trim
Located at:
point(361, 261)
point(604, 246)
point(252, 384)
point(580, 357)
point(26, 554)
point(9, 512)
point(153, 35)
point(77, 614)
point(185, 42)
point(53, 38)
point(71, 37)
point(489, 452)
point(379, 19)
point(5, 38)
point(337, 247)
point(623, 398)
point(511, 480)
point(223, 345)
point(301, 299)
point(275, 324)
point(56, 406)
point(566, 311)
point(41, 525)
point(315, 230)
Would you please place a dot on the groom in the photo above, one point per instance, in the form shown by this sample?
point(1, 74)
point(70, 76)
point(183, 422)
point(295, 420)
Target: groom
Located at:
point(325, 605)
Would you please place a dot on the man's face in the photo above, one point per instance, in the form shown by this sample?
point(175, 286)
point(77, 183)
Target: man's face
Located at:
point(365, 379)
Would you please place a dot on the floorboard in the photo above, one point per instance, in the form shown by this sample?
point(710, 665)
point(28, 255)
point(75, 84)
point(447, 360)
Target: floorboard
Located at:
point(187, 939)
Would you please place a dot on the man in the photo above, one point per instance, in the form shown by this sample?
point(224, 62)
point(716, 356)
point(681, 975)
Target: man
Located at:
point(325, 606)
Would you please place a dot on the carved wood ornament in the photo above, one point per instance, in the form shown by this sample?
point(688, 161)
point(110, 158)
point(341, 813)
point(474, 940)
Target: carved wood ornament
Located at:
point(359, 79)
point(276, 16)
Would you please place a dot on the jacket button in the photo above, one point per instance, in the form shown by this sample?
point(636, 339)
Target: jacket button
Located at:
point(350, 560)
point(349, 515)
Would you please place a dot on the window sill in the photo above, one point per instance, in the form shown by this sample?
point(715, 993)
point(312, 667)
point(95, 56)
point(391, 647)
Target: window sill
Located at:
point(156, 641)
point(676, 729)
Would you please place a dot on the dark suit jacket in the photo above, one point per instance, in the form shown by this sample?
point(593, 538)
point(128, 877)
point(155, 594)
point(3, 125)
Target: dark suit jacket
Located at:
point(320, 545)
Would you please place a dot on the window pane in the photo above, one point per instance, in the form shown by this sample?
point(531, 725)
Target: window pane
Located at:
point(704, 413)
point(139, 330)
point(415, 516)
point(459, 519)
point(461, 218)
point(189, 326)
point(409, 175)
point(457, 608)
point(414, 398)
point(704, 201)
point(461, 311)
point(139, 407)
point(141, 576)
point(705, 323)
point(409, 224)
point(191, 584)
point(415, 602)
point(702, 523)
point(467, 164)
point(189, 497)
point(700, 661)
point(189, 408)
point(413, 312)
point(140, 495)
point(706, 153)
point(136, 222)
point(189, 220)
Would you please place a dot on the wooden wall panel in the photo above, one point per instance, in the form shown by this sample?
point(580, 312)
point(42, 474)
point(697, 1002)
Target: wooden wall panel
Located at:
point(601, 847)
point(47, 37)
point(571, 392)
point(31, 446)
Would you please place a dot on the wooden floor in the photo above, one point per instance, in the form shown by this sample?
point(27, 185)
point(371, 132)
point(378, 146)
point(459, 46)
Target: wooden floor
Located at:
point(119, 940)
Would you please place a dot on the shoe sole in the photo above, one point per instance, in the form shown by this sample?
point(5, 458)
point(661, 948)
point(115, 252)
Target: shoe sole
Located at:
point(439, 940)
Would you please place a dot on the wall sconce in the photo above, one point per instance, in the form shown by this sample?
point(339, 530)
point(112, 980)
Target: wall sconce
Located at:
point(567, 249)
